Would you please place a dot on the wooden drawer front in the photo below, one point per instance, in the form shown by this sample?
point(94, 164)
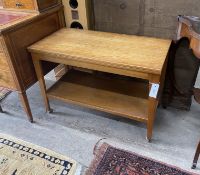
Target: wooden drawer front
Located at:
point(6, 79)
point(19, 4)
point(10, 4)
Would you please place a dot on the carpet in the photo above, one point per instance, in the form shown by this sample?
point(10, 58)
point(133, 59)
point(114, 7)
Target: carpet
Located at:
point(4, 92)
point(21, 158)
point(112, 161)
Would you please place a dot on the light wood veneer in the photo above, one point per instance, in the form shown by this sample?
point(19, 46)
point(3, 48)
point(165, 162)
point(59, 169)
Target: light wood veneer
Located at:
point(131, 56)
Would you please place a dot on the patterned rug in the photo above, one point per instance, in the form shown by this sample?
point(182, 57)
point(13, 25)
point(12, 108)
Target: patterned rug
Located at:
point(3, 93)
point(113, 161)
point(21, 158)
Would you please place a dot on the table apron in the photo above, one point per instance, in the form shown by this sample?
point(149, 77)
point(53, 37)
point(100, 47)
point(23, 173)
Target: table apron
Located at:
point(97, 67)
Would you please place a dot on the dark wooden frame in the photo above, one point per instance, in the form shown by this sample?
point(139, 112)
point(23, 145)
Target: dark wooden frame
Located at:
point(17, 56)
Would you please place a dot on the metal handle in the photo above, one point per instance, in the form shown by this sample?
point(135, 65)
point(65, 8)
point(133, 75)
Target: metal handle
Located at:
point(19, 4)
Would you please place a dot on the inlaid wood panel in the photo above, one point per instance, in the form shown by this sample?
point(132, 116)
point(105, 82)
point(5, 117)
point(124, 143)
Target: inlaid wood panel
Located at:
point(3, 61)
point(6, 79)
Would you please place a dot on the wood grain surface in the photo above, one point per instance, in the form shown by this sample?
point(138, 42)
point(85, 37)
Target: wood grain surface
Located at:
point(24, 4)
point(128, 98)
point(16, 66)
point(135, 53)
point(132, 56)
point(22, 17)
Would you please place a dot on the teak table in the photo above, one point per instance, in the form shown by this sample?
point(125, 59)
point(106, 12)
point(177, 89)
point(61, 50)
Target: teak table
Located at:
point(134, 58)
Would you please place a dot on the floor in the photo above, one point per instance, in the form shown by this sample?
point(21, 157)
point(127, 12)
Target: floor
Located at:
point(74, 131)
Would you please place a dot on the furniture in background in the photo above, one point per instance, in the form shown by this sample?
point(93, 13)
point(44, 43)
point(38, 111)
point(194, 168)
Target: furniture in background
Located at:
point(132, 67)
point(78, 14)
point(196, 157)
point(35, 5)
point(183, 64)
point(20, 28)
point(189, 28)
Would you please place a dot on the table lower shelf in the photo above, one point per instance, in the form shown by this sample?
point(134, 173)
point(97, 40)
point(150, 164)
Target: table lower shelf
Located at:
point(117, 95)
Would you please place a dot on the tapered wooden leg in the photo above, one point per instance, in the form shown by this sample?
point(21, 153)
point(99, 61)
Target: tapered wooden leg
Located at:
point(152, 106)
point(152, 112)
point(40, 76)
point(196, 157)
point(25, 104)
point(1, 110)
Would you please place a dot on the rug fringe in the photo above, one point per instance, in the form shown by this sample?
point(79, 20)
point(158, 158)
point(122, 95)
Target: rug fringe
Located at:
point(98, 157)
point(97, 145)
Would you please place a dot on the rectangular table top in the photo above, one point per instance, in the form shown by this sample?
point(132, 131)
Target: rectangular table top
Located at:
point(10, 18)
point(129, 52)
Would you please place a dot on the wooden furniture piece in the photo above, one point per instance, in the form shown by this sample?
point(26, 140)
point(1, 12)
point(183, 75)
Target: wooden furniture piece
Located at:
point(189, 27)
point(196, 157)
point(38, 5)
point(78, 13)
point(18, 30)
point(183, 64)
point(128, 56)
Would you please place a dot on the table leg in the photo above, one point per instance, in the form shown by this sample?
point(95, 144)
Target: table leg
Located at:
point(26, 106)
point(152, 106)
point(196, 157)
point(40, 76)
point(1, 110)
